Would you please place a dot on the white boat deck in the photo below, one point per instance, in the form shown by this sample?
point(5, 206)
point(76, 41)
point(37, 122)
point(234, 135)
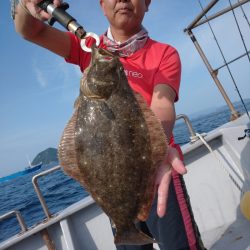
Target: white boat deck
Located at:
point(235, 236)
point(214, 197)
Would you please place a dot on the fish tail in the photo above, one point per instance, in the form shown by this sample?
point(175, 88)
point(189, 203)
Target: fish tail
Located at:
point(132, 236)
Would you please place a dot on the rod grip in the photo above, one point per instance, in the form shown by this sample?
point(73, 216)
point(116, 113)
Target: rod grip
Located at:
point(59, 14)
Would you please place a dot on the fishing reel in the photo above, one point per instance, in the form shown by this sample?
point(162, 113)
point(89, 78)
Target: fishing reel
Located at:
point(60, 15)
point(247, 134)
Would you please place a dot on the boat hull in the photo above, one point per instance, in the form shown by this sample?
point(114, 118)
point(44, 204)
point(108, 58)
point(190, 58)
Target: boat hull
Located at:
point(21, 173)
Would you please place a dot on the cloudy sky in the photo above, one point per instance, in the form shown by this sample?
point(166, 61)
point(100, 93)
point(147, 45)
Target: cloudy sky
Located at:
point(38, 89)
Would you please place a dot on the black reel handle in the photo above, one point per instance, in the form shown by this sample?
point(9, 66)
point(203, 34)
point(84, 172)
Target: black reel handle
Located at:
point(246, 134)
point(60, 15)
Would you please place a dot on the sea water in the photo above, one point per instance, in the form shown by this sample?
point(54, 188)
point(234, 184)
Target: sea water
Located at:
point(60, 191)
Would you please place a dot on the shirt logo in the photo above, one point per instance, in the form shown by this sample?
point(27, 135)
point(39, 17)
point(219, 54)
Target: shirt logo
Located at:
point(135, 74)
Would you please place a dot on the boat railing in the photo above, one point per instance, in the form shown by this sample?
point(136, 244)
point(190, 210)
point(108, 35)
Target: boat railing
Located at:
point(19, 217)
point(203, 18)
point(38, 191)
point(193, 138)
point(193, 135)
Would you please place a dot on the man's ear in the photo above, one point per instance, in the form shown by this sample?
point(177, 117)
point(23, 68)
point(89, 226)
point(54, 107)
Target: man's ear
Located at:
point(102, 6)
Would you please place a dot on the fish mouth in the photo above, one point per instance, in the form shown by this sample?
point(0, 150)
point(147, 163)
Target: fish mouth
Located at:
point(104, 55)
point(104, 52)
point(102, 77)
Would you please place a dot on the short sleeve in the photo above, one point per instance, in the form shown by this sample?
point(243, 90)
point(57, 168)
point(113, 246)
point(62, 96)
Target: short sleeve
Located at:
point(169, 71)
point(77, 55)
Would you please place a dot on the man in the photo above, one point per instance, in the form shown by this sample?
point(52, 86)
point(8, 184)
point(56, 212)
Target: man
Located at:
point(153, 69)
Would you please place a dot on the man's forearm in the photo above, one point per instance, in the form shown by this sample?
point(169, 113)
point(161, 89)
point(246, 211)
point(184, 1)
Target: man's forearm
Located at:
point(167, 117)
point(162, 105)
point(26, 24)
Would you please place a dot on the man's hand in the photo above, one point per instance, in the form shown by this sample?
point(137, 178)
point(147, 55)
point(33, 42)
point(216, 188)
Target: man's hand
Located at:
point(163, 177)
point(35, 11)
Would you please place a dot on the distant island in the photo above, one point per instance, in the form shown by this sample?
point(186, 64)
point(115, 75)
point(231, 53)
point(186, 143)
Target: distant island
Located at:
point(47, 156)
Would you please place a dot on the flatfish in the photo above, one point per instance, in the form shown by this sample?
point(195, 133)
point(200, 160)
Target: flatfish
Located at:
point(112, 145)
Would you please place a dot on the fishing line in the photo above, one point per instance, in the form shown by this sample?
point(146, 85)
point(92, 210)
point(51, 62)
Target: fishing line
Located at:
point(240, 32)
point(225, 62)
point(245, 200)
point(13, 4)
point(244, 14)
point(201, 137)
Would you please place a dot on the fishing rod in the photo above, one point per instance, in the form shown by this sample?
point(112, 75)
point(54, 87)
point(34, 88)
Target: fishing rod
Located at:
point(60, 15)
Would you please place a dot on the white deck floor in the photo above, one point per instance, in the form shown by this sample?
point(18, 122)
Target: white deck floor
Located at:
point(235, 236)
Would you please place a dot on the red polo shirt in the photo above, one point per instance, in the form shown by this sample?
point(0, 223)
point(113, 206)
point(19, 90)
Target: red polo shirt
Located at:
point(155, 63)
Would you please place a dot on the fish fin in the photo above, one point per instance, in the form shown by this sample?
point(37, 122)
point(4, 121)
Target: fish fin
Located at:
point(66, 150)
point(157, 134)
point(76, 103)
point(112, 224)
point(159, 144)
point(132, 237)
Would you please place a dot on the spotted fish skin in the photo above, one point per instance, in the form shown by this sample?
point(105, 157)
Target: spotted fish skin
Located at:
point(113, 145)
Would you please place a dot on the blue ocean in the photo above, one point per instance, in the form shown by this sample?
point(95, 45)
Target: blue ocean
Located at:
point(60, 191)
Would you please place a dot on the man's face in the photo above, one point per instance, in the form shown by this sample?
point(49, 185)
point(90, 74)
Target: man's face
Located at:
point(127, 15)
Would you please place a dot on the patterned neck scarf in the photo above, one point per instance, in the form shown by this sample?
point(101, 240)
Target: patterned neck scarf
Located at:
point(128, 47)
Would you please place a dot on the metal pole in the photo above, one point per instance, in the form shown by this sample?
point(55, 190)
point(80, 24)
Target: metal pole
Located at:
point(198, 18)
point(38, 191)
point(213, 73)
point(21, 221)
point(193, 136)
point(200, 22)
point(47, 240)
point(18, 216)
point(229, 62)
point(41, 199)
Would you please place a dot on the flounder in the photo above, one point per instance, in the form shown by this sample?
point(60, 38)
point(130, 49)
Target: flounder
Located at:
point(113, 145)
